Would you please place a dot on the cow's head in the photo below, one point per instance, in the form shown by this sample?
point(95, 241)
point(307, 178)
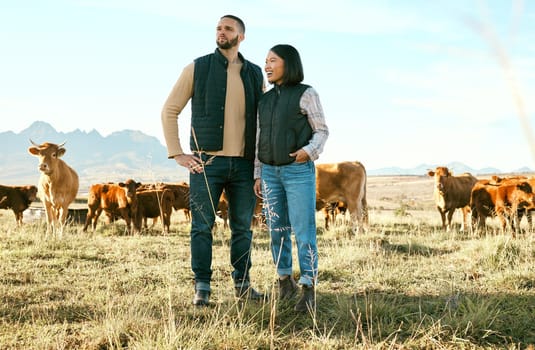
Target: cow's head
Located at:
point(31, 193)
point(181, 196)
point(496, 179)
point(48, 154)
point(441, 173)
point(130, 186)
point(524, 195)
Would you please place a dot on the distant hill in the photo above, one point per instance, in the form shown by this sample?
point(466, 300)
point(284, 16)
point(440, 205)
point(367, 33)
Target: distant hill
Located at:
point(117, 157)
point(456, 167)
point(128, 154)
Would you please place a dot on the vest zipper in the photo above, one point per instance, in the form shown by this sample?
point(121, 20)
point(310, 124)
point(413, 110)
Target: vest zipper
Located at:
point(273, 114)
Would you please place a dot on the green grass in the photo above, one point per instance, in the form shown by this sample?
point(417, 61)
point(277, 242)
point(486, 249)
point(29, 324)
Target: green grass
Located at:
point(404, 284)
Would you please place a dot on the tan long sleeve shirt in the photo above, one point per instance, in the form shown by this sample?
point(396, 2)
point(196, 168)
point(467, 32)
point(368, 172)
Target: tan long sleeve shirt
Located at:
point(234, 127)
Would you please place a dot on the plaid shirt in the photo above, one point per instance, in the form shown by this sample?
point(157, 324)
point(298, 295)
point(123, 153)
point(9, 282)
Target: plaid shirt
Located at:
point(311, 107)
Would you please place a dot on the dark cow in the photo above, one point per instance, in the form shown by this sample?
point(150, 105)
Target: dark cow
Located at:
point(116, 200)
point(154, 204)
point(147, 187)
point(452, 192)
point(181, 196)
point(18, 199)
point(58, 184)
point(77, 215)
point(503, 200)
point(346, 182)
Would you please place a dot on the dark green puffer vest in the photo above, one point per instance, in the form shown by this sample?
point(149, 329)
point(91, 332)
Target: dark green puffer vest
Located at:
point(208, 102)
point(283, 128)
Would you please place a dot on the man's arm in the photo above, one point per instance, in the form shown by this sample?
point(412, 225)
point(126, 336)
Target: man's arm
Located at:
point(178, 98)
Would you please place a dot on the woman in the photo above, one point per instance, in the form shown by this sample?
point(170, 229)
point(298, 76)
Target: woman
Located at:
point(291, 135)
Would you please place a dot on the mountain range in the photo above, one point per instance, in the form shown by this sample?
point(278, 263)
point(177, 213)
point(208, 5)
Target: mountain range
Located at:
point(128, 154)
point(116, 157)
point(455, 167)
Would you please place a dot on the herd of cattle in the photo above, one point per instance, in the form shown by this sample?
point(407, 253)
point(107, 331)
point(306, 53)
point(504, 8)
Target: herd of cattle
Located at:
point(508, 199)
point(340, 187)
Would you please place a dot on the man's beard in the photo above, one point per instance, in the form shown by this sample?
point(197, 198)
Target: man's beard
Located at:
point(228, 44)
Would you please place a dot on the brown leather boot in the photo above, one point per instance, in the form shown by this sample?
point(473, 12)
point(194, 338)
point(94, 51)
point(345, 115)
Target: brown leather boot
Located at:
point(307, 301)
point(287, 288)
point(248, 293)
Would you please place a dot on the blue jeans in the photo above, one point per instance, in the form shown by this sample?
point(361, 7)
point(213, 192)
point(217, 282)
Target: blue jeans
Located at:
point(235, 175)
point(289, 193)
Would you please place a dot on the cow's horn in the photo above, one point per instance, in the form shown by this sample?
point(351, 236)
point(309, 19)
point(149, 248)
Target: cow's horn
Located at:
point(33, 143)
point(61, 144)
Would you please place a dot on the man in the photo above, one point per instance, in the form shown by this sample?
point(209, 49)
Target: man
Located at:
point(224, 89)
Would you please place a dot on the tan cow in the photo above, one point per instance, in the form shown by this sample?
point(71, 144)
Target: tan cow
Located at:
point(345, 182)
point(58, 184)
point(503, 200)
point(116, 200)
point(18, 199)
point(452, 192)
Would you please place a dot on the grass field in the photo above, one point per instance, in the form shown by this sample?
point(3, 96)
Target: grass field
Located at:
point(403, 284)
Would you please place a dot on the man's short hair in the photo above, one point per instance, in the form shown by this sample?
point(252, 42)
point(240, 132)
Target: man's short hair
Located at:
point(237, 19)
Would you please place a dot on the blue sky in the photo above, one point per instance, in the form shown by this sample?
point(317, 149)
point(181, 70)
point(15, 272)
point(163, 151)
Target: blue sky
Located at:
point(402, 82)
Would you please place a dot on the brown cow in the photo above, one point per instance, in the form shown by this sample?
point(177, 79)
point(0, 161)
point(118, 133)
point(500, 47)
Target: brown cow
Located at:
point(153, 204)
point(346, 182)
point(147, 187)
point(259, 218)
point(18, 199)
point(258, 215)
point(331, 210)
point(116, 200)
point(222, 209)
point(503, 200)
point(452, 192)
point(498, 180)
point(58, 184)
point(523, 211)
point(528, 212)
point(495, 179)
point(181, 196)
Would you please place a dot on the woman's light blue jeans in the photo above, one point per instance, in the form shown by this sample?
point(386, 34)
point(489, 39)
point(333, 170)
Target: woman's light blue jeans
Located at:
point(289, 193)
